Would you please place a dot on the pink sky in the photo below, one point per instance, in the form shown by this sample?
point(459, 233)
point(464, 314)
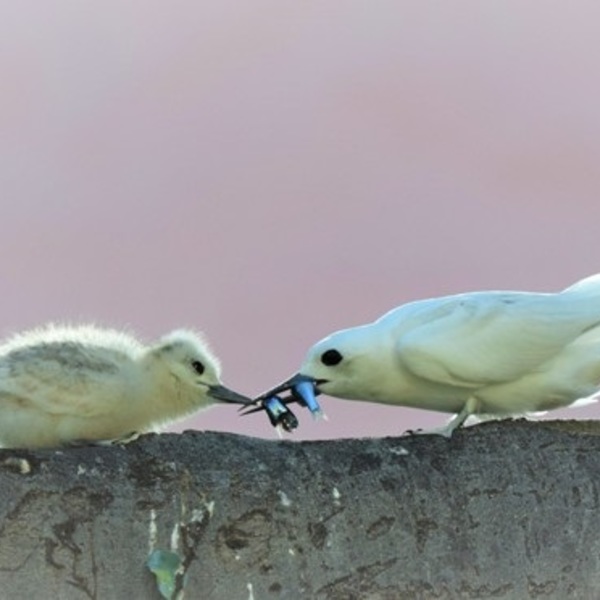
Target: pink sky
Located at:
point(269, 172)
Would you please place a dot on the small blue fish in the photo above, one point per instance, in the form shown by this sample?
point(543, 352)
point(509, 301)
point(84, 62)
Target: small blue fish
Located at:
point(279, 413)
point(304, 393)
point(302, 389)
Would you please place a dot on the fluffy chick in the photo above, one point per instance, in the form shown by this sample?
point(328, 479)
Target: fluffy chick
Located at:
point(69, 385)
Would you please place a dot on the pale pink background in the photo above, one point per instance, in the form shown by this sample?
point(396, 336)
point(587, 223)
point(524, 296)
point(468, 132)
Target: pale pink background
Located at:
point(271, 171)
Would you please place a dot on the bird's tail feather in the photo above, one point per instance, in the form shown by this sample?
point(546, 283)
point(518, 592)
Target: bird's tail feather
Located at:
point(590, 286)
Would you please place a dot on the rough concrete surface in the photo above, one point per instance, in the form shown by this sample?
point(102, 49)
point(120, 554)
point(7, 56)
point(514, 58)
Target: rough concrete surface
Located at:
point(502, 510)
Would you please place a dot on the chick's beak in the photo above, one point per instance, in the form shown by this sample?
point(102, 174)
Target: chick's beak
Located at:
point(224, 394)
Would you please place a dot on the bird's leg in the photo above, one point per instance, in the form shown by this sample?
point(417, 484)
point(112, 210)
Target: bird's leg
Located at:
point(128, 437)
point(468, 409)
point(125, 439)
point(447, 430)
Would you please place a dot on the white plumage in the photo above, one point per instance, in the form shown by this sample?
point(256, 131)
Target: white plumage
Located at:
point(62, 385)
point(496, 353)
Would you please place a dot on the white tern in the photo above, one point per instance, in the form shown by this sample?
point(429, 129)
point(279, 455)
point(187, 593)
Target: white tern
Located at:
point(480, 353)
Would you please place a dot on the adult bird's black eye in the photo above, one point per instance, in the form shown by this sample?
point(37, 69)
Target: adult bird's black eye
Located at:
point(331, 358)
point(198, 367)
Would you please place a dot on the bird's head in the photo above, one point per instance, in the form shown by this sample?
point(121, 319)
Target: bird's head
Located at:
point(190, 364)
point(346, 364)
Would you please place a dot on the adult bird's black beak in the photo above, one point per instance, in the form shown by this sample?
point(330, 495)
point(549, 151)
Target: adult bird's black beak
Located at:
point(302, 388)
point(224, 394)
point(289, 385)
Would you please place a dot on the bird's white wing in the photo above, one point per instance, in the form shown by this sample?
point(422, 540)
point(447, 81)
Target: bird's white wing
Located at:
point(484, 338)
point(60, 378)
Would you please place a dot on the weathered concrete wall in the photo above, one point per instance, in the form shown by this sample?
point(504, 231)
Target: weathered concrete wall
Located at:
point(503, 510)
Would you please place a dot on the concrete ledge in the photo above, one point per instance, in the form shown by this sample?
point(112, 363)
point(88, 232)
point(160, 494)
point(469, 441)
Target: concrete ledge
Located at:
point(502, 510)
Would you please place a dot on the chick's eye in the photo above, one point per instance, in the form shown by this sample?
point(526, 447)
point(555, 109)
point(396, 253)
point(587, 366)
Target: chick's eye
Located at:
point(331, 358)
point(198, 367)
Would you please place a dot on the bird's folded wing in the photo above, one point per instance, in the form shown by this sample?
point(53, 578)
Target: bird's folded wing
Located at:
point(60, 380)
point(482, 339)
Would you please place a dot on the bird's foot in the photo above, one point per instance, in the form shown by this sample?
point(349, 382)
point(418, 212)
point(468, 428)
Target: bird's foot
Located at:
point(445, 431)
